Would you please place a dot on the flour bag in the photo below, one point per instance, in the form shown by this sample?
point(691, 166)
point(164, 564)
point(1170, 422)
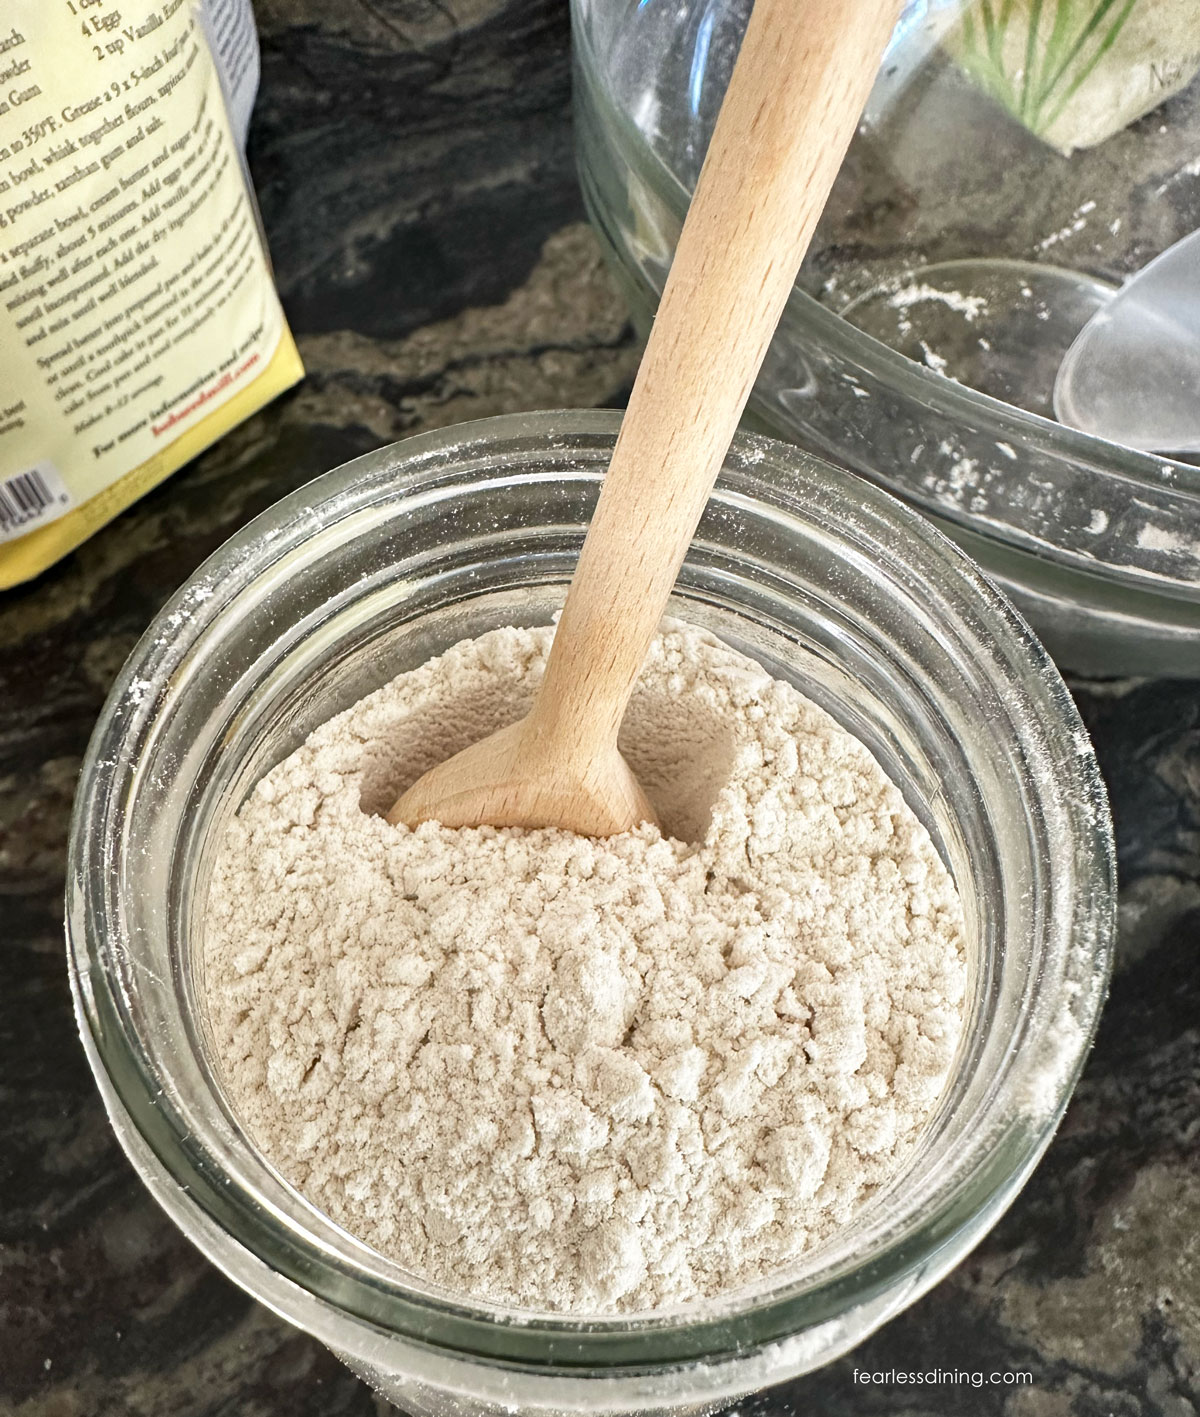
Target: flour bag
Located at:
point(138, 317)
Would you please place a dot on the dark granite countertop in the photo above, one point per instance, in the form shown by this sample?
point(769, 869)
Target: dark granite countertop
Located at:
point(414, 164)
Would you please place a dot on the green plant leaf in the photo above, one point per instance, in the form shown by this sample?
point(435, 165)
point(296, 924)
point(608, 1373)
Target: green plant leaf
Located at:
point(1064, 15)
point(1084, 73)
point(1035, 20)
point(1089, 29)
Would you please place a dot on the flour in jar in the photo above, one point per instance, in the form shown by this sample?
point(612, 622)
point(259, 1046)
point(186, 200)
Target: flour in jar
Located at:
point(578, 1075)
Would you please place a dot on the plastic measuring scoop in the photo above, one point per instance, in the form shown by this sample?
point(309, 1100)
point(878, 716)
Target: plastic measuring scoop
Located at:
point(1133, 374)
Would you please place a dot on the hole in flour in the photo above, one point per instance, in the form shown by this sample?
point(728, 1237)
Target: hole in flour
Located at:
point(415, 739)
point(677, 744)
point(681, 751)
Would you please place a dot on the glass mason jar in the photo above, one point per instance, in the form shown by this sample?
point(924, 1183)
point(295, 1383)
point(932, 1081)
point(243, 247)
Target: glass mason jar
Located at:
point(375, 567)
point(961, 251)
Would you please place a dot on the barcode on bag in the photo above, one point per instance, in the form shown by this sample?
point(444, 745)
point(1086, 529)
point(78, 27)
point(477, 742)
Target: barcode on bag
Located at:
point(30, 498)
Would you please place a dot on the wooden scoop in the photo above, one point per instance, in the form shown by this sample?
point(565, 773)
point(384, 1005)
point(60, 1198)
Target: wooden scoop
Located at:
point(799, 85)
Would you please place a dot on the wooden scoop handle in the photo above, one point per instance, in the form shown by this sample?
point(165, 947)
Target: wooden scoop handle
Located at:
point(799, 85)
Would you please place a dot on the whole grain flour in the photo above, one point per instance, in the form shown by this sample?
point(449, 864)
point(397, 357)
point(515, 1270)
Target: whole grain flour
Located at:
point(568, 1074)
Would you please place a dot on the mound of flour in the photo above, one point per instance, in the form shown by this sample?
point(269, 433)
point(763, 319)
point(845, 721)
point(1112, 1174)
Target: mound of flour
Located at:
point(586, 1075)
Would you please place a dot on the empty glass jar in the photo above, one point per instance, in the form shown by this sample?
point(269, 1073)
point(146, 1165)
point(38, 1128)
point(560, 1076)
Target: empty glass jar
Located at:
point(1016, 162)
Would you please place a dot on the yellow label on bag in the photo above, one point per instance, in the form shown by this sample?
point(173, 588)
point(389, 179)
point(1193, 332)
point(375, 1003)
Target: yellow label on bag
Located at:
point(138, 318)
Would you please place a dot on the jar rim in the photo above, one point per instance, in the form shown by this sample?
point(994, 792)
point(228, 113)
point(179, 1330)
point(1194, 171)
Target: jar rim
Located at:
point(287, 536)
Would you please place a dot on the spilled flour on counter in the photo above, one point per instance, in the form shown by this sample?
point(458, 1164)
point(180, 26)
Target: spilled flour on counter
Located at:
point(586, 1075)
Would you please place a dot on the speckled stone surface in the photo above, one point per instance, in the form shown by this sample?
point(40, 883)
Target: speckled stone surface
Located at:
point(415, 170)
